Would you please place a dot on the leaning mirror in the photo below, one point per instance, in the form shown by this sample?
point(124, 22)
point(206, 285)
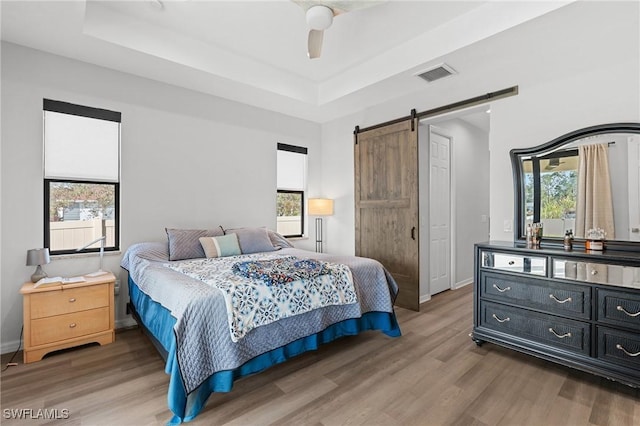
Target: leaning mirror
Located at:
point(586, 179)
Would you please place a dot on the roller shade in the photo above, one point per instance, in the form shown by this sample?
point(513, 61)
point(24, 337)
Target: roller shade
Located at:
point(81, 147)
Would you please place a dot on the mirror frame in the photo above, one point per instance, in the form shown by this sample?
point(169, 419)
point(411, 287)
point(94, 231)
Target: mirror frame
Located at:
point(518, 196)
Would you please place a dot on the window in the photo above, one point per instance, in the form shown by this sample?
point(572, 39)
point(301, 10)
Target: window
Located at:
point(550, 184)
point(81, 177)
point(291, 182)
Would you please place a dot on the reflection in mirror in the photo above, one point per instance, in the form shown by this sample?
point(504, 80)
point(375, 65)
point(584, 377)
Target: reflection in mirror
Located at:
point(554, 177)
point(586, 179)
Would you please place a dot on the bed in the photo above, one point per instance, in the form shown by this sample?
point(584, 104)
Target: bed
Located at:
point(217, 318)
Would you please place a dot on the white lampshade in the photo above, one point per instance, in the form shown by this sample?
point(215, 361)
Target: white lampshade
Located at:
point(320, 206)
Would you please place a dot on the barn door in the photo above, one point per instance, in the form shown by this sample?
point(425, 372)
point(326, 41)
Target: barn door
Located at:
point(386, 204)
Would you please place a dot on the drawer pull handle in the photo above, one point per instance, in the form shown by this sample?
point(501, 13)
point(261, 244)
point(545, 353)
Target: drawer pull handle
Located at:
point(619, 346)
point(501, 290)
point(568, 299)
point(500, 320)
point(512, 262)
point(72, 299)
point(72, 325)
point(559, 336)
point(620, 308)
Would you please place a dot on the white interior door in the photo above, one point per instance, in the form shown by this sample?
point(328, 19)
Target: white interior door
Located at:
point(439, 210)
point(634, 187)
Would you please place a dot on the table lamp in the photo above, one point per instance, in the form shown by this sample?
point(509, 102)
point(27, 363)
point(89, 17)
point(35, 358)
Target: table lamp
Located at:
point(320, 207)
point(38, 257)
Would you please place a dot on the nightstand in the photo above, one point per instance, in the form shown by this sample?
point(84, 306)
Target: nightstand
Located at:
point(62, 316)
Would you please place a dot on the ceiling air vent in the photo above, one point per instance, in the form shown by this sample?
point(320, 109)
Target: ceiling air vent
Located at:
point(436, 73)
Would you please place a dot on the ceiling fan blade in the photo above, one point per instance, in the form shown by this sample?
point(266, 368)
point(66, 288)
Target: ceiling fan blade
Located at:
point(314, 46)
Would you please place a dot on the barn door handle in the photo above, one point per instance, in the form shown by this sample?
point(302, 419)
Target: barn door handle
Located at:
point(413, 233)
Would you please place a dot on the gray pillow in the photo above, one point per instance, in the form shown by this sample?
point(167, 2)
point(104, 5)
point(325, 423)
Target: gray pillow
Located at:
point(278, 240)
point(185, 243)
point(252, 240)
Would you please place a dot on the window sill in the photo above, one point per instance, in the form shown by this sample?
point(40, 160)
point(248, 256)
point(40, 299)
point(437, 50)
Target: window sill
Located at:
point(81, 255)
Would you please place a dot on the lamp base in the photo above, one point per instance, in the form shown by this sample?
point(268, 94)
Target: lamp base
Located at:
point(318, 235)
point(38, 274)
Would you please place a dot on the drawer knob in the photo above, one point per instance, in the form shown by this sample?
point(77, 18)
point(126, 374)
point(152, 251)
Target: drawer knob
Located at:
point(501, 290)
point(568, 299)
point(559, 336)
point(72, 325)
point(511, 262)
point(500, 320)
point(621, 309)
point(594, 272)
point(619, 346)
point(72, 299)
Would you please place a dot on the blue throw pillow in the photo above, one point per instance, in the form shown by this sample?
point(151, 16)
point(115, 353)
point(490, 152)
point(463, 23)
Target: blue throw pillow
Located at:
point(221, 246)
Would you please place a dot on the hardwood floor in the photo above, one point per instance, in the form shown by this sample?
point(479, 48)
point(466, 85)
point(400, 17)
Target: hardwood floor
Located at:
point(432, 375)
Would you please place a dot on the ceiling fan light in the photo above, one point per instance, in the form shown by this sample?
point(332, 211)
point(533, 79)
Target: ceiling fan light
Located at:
point(319, 17)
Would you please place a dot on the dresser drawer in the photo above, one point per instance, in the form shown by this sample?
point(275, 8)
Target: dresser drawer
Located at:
point(619, 308)
point(547, 329)
point(619, 347)
point(68, 326)
point(532, 265)
point(563, 299)
point(602, 273)
point(68, 300)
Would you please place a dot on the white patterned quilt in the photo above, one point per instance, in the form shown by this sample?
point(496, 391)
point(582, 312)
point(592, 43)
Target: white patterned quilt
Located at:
point(263, 298)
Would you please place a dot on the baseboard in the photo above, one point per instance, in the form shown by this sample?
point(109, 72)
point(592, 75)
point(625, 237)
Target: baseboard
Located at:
point(10, 347)
point(126, 322)
point(427, 297)
point(463, 283)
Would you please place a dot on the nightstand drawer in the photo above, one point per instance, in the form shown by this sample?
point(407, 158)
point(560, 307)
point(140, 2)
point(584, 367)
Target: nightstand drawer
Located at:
point(547, 329)
point(69, 300)
point(563, 299)
point(54, 329)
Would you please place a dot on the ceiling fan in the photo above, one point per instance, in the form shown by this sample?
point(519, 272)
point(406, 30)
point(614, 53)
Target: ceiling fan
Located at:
point(320, 16)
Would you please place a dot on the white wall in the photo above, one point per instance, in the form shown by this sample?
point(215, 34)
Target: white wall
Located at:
point(561, 88)
point(188, 160)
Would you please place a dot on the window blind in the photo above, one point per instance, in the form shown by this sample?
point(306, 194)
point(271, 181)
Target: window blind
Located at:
point(292, 166)
point(81, 143)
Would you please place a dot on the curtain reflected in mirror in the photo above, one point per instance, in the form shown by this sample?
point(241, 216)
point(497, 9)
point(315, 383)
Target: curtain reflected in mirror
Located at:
point(594, 203)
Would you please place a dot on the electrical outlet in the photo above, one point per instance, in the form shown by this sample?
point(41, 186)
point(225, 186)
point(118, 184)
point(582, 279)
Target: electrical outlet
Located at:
point(116, 287)
point(483, 218)
point(508, 225)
